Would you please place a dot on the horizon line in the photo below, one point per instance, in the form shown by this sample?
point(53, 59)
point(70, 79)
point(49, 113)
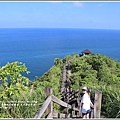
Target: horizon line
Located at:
point(57, 28)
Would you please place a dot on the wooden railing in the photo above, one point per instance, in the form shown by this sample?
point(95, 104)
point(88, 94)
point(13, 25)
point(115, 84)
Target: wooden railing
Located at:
point(47, 107)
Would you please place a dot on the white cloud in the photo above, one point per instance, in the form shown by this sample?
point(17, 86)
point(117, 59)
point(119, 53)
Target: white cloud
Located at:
point(100, 5)
point(78, 4)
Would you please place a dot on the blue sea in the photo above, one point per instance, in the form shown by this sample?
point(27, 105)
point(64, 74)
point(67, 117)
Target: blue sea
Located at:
point(38, 47)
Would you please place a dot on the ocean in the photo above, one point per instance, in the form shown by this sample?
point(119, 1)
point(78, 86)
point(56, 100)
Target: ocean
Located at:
point(38, 47)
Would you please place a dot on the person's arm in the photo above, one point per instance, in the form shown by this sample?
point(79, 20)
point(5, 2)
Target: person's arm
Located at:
point(82, 104)
point(91, 104)
point(82, 101)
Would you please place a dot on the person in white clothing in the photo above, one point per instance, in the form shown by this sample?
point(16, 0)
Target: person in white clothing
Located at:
point(86, 103)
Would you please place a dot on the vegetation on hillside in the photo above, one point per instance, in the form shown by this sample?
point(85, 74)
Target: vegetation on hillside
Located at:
point(21, 98)
point(96, 71)
point(12, 85)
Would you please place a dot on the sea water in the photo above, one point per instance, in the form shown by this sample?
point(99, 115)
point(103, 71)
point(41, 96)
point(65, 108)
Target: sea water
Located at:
point(38, 47)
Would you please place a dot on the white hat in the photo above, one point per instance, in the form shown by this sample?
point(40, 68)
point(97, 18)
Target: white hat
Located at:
point(85, 88)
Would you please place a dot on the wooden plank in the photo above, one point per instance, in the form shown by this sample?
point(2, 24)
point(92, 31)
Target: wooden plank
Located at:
point(58, 115)
point(50, 116)
point(76, 109)
point(73, 112)
point(67, 100)
point(92, 113)
point(80, 112)
point(60, 102)
point(48, 92)
point(97, 105)
point(43, 108)
point(74, 116)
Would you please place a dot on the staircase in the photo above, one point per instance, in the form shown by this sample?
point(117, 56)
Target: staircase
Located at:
point(71, 101)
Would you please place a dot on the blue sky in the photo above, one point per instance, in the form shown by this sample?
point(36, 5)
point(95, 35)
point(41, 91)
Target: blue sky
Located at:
point(98, 15)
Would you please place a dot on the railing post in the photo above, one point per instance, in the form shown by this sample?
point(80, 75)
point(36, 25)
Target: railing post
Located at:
point(66, 109)
point(92, 113)
point(79, 104)
point(97, 104)
point(48, 92)
point(73, 111)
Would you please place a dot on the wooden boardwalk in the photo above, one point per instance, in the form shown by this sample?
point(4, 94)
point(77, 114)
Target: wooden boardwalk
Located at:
point(47, 107)
point(71, 102)
point(65, 78)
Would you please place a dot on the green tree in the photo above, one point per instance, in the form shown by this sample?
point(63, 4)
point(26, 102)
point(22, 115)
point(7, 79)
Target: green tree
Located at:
point(58, 61)
point(13, 83)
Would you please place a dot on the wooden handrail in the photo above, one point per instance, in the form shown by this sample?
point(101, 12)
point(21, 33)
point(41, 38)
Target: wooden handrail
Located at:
point(47, 106)
point(64, 104)
point(43, 108)
point(56, 100)
point(60, 102)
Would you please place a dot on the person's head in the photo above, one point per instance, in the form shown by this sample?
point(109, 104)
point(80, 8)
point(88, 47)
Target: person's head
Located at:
point(71, 89)
point(84, 89)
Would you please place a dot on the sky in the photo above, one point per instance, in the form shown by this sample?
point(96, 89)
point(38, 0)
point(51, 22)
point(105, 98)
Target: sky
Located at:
point(96, 15)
